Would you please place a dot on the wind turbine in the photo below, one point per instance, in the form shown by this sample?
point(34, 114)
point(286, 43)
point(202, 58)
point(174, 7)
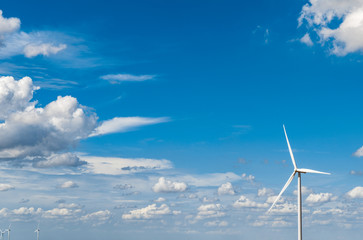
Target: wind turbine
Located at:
point(299, 171)
point(8, 230)
point(2, 234)
point(37, 231)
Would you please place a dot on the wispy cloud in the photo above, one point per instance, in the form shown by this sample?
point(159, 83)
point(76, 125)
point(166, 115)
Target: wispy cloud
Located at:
point(45, 49)
point(118, 78)
point(117, 166)
point(124, 124)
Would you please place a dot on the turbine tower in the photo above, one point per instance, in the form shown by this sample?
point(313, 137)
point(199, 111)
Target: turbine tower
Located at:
point(37, 231)
point(299, 171)
point(8, 230)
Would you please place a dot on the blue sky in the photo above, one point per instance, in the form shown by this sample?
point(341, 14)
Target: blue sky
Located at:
point(163, 119)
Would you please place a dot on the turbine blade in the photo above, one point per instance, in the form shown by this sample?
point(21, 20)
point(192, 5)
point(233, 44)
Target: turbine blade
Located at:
point(288, 144)
point(311, 171)
point(283, 190)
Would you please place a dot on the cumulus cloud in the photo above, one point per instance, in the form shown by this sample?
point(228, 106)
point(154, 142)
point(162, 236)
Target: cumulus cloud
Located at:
point(116, 166)
point(15, 95)
point(118, 78)
point(39, 133)
point(167, 186)
point(226, 189)
point(6, 187)
point(44, 49)
point(56, 212)
point(32, 131)
point(319, 198)
point(148, 212)
point(56, 160)
point(8, 25)
point(27, 211)
point(124, 124)
point(347, 36)
point(243, 201)
point(356, 192)
point(210, 211)
point(69, 184)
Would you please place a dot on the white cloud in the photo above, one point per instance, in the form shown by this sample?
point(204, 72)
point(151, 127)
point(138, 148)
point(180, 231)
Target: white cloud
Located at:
point(69, 184)
point(124, 124)
point(226, 189)
point(56, 212)
point(56, 160)
point(359, 152)
point(284, 208)
point(32, 131)
point(27, 211)
point(319, 198)
point(332, 211)
point(8, 25)
point(243, 201)
point(102, 216)
point(116, 166)
point(265, 192)
point(246, 177)
point(118, 78)
point(307, 40)
point(14, 43)
point(347, 37)
point(15, 95)
point(271, 199)
point(167, 186)
point(356, 192)
point(6, 187)
point(148, 212)
point(210, 211)
point(160, 199)
point(44, 49)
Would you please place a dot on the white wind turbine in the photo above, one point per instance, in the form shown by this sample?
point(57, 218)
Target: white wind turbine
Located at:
point(8, 230)
point(37, 231)
point(2, 234)
point(298, 171)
